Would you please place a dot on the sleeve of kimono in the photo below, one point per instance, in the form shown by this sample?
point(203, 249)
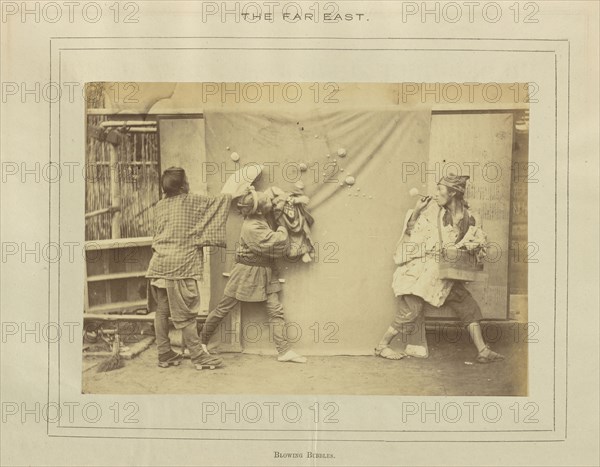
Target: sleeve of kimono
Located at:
point(418, 239)
point(409, 223)
point(399, 255)
point(212, 219)
point(156, 213)
point(425, 220)
point(264, 241)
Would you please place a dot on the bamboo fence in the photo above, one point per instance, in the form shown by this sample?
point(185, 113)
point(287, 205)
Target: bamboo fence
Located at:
point(129, 180)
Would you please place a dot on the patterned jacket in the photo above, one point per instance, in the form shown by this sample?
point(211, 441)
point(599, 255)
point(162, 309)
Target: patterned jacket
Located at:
point(183, 225)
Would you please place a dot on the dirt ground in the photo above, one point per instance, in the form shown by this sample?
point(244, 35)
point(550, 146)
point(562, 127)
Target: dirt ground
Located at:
point(450, 370)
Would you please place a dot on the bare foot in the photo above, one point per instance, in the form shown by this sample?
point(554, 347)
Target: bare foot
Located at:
point(291, 356)
point(388, 353)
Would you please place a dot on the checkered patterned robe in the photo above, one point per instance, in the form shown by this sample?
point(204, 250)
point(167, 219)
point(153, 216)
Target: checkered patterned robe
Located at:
point(183, 225)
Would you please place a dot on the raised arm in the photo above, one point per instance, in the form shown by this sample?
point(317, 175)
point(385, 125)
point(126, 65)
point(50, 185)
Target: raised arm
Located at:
point(264, 241)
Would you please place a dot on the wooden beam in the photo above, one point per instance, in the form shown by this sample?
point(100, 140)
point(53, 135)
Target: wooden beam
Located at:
point(128, 123)
point(97, 212)
point(115, 193)
point(118, 243)
point(90, 317)
point(116, 276)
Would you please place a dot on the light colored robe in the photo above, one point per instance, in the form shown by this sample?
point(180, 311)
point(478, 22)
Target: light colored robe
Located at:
point(418, 252)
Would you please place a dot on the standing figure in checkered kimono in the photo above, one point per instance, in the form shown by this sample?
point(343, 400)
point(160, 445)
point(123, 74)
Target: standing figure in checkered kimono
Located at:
point(253, 278)
point(184, 223)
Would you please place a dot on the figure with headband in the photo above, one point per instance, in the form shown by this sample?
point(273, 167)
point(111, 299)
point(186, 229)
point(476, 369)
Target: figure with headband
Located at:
point(428, 228)
point(252, 278)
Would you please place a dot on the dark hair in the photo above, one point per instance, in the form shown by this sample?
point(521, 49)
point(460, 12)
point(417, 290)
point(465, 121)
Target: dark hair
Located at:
point(459, 196)
point(172, 181)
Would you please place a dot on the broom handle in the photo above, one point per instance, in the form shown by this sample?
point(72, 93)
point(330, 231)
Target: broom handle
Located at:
point(146, 208)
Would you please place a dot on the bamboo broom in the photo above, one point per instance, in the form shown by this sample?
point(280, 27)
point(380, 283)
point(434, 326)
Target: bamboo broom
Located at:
point(113, 362)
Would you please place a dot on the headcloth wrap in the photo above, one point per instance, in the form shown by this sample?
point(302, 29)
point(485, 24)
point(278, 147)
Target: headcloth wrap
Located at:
point(248, 203)
point(456, 182)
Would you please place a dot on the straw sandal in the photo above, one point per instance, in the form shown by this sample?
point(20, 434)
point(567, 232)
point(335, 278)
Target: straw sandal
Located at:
point(489, 357)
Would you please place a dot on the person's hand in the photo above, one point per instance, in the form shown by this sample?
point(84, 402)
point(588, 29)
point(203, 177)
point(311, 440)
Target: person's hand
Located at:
point(422, 203)
point(240, 191)
point(239, 181)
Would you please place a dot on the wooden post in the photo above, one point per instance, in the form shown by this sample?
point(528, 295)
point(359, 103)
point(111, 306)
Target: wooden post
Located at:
point(115, 194)
point(233, 324)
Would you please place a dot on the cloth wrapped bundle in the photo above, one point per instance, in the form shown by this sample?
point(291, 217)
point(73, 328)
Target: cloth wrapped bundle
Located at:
point(289, 210)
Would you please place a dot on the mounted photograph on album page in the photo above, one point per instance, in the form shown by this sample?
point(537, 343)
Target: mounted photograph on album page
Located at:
point(299, 233)
point(214, 240)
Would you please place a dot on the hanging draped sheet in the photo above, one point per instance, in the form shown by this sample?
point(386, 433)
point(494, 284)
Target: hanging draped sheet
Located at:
point(341, 302)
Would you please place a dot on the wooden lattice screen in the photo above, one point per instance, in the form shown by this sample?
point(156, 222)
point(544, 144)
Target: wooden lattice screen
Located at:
point(136, 173)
